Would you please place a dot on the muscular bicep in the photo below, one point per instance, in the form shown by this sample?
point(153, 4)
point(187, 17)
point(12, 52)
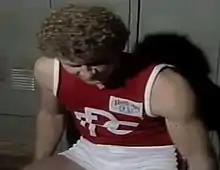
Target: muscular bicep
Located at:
point(190, 137)
point(49, 103)
point(178, 106)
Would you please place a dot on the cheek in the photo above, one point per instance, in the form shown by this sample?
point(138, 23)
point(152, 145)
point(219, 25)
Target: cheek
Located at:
point(105, 70)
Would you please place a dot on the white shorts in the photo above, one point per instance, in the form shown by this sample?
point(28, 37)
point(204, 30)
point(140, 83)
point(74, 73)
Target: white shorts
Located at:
point(106, 157)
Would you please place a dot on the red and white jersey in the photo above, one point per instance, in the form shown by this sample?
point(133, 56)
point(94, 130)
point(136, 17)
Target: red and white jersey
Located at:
point(116, 122)
point(119, 116)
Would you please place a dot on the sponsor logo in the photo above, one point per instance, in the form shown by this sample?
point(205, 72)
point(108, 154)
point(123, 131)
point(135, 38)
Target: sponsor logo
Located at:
point(125, 106)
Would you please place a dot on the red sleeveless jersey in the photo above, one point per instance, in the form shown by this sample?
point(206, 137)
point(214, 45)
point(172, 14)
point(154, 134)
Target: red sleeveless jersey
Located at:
point(119, 116)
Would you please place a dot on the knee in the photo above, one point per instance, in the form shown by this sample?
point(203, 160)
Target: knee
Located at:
point(30, 167)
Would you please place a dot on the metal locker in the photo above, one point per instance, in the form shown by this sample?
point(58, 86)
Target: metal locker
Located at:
point(198, 19)
point(19, 22)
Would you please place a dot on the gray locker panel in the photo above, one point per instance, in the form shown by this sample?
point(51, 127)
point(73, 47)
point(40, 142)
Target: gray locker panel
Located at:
point(197, 18)
point(19, 22)
point(126, 9)
point(17, 136)
point(218, 68)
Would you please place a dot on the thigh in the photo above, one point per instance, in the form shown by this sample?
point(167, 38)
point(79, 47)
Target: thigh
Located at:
point(58, 162)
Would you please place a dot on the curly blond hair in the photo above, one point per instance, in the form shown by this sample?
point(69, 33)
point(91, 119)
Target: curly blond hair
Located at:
point(82, 32)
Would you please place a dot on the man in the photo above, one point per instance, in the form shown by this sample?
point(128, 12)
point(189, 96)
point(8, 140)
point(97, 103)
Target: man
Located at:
point(127, 121)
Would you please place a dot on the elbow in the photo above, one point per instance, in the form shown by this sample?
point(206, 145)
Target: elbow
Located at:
point(45, 114)
point(202, 161)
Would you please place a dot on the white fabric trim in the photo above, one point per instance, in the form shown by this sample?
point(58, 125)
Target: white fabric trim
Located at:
point(149, 86)
point(56, 71)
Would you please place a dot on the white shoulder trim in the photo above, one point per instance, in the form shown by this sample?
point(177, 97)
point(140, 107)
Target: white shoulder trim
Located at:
point(149, 86)
point(56, 72)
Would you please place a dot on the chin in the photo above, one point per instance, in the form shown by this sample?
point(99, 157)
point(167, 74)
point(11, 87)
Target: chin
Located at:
point(91, 82)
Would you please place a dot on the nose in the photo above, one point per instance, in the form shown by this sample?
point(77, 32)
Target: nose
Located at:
point(86, 72)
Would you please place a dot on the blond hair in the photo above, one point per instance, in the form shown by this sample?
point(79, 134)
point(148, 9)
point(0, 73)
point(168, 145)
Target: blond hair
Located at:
point(82, 32)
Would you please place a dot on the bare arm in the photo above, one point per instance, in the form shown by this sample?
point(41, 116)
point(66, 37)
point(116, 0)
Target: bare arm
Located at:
point(173, 99)
point(50, 122)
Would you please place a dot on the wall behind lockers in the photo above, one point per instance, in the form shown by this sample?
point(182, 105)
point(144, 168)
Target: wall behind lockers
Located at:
point(21, 19)
point(198, 19)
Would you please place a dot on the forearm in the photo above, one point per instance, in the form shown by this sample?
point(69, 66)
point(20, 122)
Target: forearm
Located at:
point(49, 133)
point(199, 152)
point(192, 141)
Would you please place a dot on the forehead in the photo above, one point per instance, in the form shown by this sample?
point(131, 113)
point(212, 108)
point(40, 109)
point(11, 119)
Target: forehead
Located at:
point(105, 60)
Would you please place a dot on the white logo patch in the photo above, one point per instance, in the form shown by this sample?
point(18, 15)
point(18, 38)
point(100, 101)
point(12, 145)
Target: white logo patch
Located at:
point(125, 106)
point(112, 125)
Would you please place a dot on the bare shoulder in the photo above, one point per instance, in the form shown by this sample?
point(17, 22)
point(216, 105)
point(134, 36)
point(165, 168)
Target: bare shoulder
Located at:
point(43, 71)
point(172, 94)
point(171, 80)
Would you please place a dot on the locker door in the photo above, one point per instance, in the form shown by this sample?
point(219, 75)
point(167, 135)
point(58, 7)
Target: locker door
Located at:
point(197, 18)
point(126, 9)
point(19, 22)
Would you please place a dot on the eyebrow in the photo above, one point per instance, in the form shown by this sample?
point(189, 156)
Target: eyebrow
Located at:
point(74, 65)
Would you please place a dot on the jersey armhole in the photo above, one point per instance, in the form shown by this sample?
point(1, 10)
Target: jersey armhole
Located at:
point(149, 86)
point(56, 72)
